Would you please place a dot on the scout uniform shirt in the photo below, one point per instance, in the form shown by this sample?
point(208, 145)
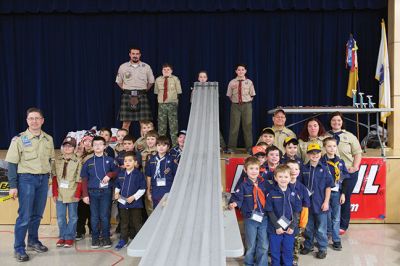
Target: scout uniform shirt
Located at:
point(146, 154)
point(248, 199)
point(176, 153)
point(134, 76)
point(338, 171)
point(33, 154)
point(316, 180)
point(162, 172)
point(302, 147)
point(173, 89)
point(282, 204)
point(67, 172)
point(281, 135)
point(247, 91)
point(95, 169)
point(348, 146)
point(132, 184)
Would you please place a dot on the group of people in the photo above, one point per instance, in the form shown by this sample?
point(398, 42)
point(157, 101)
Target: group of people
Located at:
point(284, 179)
point(297, 186)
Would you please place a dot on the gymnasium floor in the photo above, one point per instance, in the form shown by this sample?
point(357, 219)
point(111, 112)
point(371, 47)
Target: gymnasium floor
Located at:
point(363, 245)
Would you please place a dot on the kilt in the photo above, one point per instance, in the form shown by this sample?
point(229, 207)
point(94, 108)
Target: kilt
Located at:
point(127, 114)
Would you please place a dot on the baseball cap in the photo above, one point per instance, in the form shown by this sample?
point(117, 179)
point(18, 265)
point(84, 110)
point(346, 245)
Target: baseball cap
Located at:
point(289, 140)
point(258, 150)
point(181, 132)
point(69, 140)
point(268, 130)
point(313, 147)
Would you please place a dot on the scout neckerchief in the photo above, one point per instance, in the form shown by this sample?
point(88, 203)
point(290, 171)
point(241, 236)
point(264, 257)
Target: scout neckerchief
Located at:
point(335, 167)
point(258, 194)
point(336, 135)
point(158, 166)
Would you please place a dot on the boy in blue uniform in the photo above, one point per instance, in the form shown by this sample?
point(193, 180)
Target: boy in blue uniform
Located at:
point(290, 144)
point(283, 206)
point(160, 172)
point(305, 203)
point(318, 181)
point(176, 151)
point(273, 156)
point(130, 187)
point(339, 172)
point(96, 174)
point(250, 198)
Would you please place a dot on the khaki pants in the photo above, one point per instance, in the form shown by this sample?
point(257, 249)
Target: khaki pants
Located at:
point(241, 113)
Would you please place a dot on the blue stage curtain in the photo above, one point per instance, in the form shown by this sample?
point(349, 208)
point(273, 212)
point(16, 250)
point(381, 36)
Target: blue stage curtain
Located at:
point(66, 63)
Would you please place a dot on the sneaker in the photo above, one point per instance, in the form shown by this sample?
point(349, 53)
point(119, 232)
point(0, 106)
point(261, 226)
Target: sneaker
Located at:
point(107, 243)
point(79, 237)
point(38, 247)
point(68, 243)
point(95, 244)
point(121, 244)
point(21, 255)
point(305, 251)
point(342, 231)
point(337, 246)
point(321, 254)
point(60, 243)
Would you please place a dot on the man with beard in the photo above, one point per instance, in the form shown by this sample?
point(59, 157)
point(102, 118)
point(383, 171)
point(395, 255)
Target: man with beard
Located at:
point(135, 78)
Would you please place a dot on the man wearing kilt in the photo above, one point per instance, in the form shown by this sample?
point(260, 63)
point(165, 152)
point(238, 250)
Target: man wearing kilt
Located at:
point(135, 78)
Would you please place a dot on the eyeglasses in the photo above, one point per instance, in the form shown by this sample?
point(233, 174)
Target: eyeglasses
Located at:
point(34, 118)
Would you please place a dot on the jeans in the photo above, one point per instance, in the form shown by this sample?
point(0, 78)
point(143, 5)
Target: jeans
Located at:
point(346, 206)
point(256, 242)
point(100, 203)
point(334, 216)
point(281, 245)
point(32, 197)
point(316, 227)
point(67, 230)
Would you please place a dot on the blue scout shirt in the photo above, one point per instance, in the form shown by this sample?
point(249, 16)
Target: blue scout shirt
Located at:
point(176, 153)
point(162, 176)
point(96, 168)
point(282, 203)
point(342, 168)
point(244, 198)
point(109, 152)
point(302, 192)
point(316, 180)
point(129, 184)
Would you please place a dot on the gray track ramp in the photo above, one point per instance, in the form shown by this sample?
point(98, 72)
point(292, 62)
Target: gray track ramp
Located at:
point(190, 230)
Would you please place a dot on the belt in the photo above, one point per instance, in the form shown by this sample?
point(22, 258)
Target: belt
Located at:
point(33, 174)
point(133, 92)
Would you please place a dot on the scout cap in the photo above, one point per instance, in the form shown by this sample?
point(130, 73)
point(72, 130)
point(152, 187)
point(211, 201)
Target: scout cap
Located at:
point(289, 140)
point(258, 150)
point(313, 147)
point(69, 140)
point(268, 130)
point(182, 132)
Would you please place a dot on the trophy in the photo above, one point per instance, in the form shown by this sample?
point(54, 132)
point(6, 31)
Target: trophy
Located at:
point(370, 103)
point(361, 99)
point(354, 98)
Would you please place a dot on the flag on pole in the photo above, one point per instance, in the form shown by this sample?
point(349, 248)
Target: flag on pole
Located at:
point(382, 74)
point(352, 64)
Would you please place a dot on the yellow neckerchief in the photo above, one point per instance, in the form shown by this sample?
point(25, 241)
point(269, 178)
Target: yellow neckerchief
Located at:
point(337, 170)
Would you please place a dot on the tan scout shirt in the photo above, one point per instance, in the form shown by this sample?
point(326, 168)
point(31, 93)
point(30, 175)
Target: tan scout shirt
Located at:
point(174, 88)
point(34, 155)
point(146, 155)
point(134, 76)
point(302, 149)
point(281, 135)
point(247, 90)
point(72, 177)
point(348, 147)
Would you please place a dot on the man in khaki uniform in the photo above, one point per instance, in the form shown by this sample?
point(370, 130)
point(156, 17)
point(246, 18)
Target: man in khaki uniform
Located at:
point(30, 159)
point(134, 78)
point(167, 88)
point(281, 131)
point(241, 92)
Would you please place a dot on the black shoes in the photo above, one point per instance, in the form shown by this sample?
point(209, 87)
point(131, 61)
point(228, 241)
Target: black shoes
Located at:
point(337, 246)
point(95, 244)
point(21, 256)
point(106, 243)
point(38, 247)
point(305, 251)
point(321, 254)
